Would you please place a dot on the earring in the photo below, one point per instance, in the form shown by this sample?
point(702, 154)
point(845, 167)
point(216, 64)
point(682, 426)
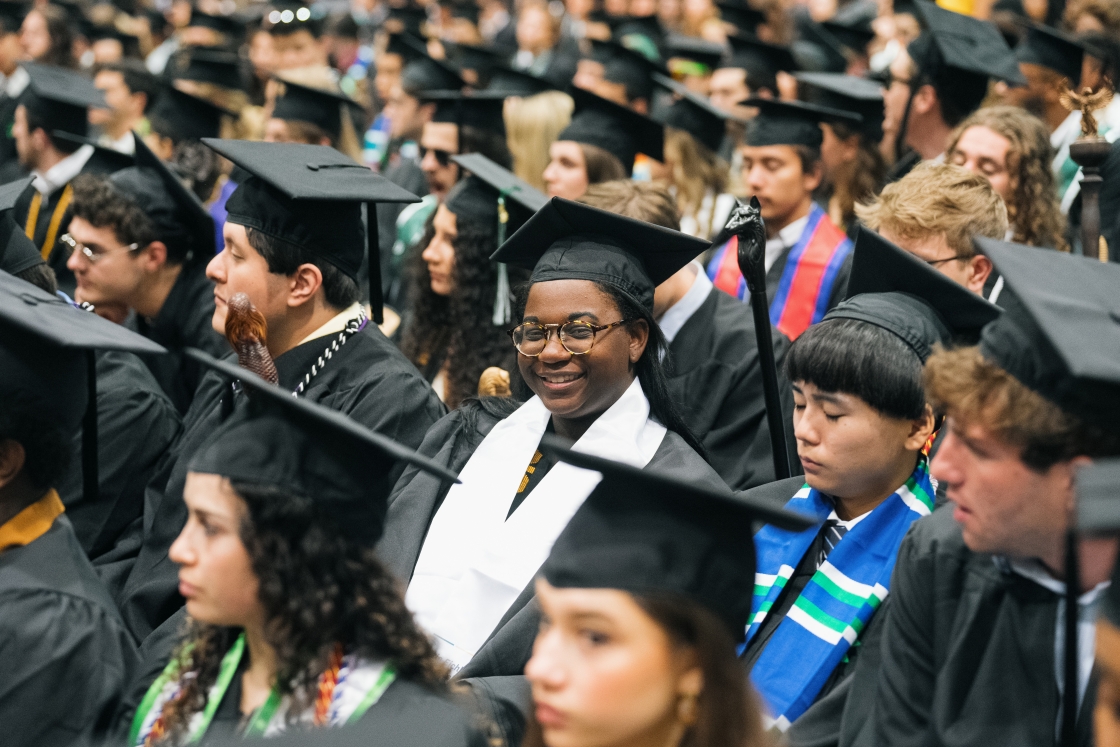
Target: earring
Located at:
point(686, 709)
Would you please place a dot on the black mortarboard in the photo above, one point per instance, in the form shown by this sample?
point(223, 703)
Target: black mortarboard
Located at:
point(693, 114)
point(60, 98)
point(627, 67)
point(648, 533)
point(854, 36)
point(410, 17)
point(210, 66)
point(307, 450)
point(616, 129)
point(744, 18)
point(428, 74)
point(792, 122)
point(324, 109)
point(816, 49)
point(709, 54)
point(409, 47)
point(847, 93)
point(568, 240)
point(893, 289)
point(467, 10)
point(1060, 328)
point(644, 26)
point(472, 57)
point(310, 196)
point(1051, 49)
point(17, 252)
point(130, 43)
point(110, 159)
point(11, 16)
point(517, 83)
point(181, 116)
point(174, 210)
point(481, 109)
point(954, 48)
point(476, 197)
point(228, 25)
point(47, 361)
point(762, 60)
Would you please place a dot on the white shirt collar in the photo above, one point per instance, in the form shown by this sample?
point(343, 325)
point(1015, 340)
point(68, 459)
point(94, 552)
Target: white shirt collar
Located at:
point(62, 172)
point(680, 312)
point(785, 239)
point(16, 82)
point(1033, 570)
point(125, 143)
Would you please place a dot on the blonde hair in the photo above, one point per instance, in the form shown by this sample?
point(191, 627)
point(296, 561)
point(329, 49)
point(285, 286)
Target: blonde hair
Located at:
point(645, 201)
point(532, 125)
point(1033, 210)
point(696, 171)
point(938, 199)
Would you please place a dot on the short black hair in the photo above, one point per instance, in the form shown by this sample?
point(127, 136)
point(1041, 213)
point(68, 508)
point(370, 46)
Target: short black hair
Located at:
point(47, 447)
point(35, 122)
point(136, 76)
point(857, 358)
point(284, 258)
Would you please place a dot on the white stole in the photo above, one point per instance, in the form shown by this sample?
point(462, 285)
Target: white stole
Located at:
point(475, 562)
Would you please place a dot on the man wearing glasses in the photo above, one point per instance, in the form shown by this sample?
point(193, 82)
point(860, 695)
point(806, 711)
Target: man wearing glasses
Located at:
point(933, 212)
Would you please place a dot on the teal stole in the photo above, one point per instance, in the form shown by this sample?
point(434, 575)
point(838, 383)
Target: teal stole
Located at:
point(839, 600)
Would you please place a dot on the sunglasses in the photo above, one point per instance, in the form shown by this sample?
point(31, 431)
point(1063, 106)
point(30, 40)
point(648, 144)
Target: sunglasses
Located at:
point(443, 158)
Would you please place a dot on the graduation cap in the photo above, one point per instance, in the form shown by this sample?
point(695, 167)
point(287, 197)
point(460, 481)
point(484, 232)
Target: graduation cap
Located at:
point(11, 16)
point(322, 108)
point(466, 10)
point(512, 82)
point(476, 197)
point(743, 17)
point(409, 47)
point(427, 74)
point(47, 362)
point(174, 210)
point(853, 36)
point(617, 129)
point(647, 533)
point(308, 450)
point(817, 49)
point(847, 93)
point(310, 196)
point(1060, 328)
point(130, 43)
point(892, 289)
point(211, 66)
point(481, 109)
point(228, 25)
point(627, 67)
point(569, 240)
point(410, 18)
point(693, 114)
point(962, 53)
point(473, 57)
point(1051, 49)
point(792, 122)
point(60, 98)
point(699, 51)
point(17, 252)
point(762, 60)
point(182, 116)
point(624, 28)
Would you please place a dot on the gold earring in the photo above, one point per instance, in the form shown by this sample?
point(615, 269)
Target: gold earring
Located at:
point(686, 709)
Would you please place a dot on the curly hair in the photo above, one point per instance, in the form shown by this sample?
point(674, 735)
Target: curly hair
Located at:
point(1033, 210)
point(458, 329)
point(101, 204)
point(318, 589)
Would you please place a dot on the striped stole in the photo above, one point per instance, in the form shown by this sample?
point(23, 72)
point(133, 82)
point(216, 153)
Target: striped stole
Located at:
point(807, 279)
point(839, 600)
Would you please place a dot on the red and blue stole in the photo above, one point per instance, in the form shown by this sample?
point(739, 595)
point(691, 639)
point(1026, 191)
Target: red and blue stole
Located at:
point(807, 280)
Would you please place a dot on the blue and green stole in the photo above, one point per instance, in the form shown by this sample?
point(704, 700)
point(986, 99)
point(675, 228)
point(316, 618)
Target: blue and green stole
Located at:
point(839, 600)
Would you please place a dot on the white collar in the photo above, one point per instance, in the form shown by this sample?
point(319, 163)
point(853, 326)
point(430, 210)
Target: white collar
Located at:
point(125, 143)
point(850, 523)
point(61, 173)
point(785, 239)
point(1033, 570)
point(676, 315)
point(335, 324)
point(16, 82)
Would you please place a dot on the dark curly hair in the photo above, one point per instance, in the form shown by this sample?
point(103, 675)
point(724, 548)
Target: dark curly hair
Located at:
point(97, 201)
point(458, 329)
point(318, 590)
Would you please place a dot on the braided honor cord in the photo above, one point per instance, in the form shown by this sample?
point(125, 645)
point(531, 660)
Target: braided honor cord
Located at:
point(353, 327)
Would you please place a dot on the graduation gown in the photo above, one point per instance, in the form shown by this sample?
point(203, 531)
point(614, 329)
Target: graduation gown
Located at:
point(183, 321)
point(368, 379)
point(843, 703)
point(495, 671)
point(967, 656)
point(136, 426)
point(716, 381)
point(65, 655)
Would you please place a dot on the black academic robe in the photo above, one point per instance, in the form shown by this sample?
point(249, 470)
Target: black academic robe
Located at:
point(368, 379)
point(183, 321)
point(136, 426)
point(716, 382)
point(65, 656)
point(843, 703)
point(9, 158)
point(495, 672)
point(103, 161)
point(967, 656)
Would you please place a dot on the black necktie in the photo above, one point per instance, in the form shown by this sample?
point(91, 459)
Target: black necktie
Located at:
point(834, 531)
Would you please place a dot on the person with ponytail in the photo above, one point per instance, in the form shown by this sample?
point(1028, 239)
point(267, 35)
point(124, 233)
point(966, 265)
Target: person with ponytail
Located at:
point(589, 359)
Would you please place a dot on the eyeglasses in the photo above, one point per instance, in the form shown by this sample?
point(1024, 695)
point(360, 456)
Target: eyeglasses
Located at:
point(936, 262)
point(578, 338)
point(443, 158)
point(91, 255)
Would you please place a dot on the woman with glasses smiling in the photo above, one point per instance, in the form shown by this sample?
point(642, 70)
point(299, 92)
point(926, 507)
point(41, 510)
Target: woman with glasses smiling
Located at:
point(590, 354)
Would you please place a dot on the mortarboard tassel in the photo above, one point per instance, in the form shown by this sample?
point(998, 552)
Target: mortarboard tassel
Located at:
point(502, 309)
